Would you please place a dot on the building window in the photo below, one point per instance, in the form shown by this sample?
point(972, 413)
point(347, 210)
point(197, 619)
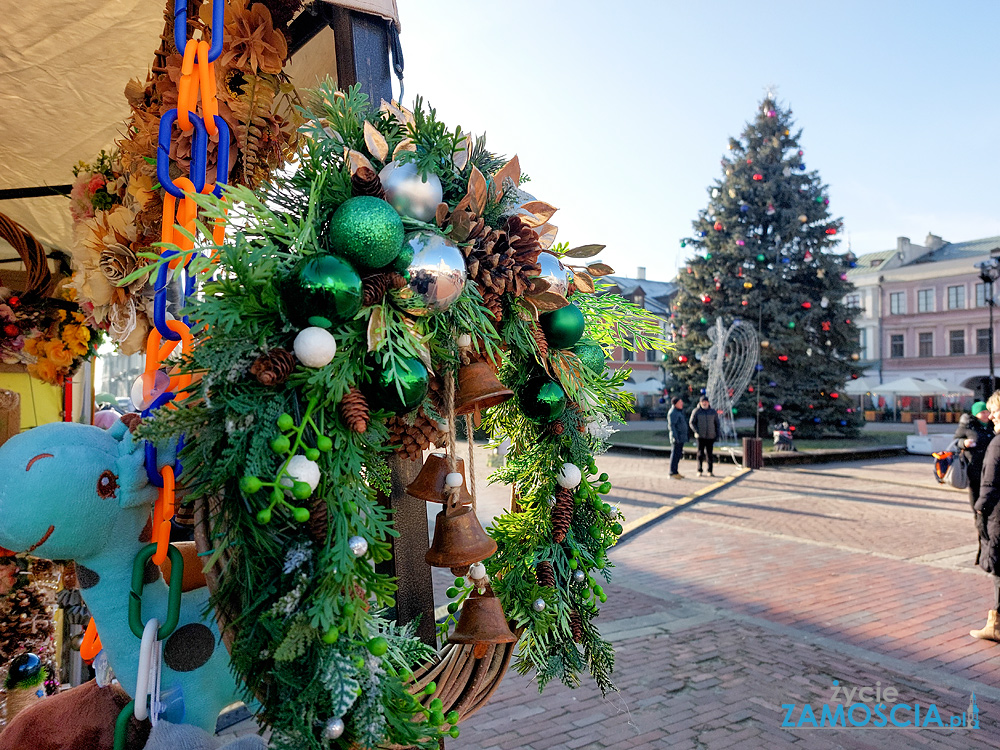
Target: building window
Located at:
point(956, 342)
point(896, 346)
point(897, 303)
point(651, 355)
point(982, 341)
point(863, 343)
point(980, 295)
point(925, 300)
point(925, 346)
point(956, 298)
point(852, 300)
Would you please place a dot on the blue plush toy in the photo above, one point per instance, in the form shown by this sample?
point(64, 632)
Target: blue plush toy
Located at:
point(75, 492)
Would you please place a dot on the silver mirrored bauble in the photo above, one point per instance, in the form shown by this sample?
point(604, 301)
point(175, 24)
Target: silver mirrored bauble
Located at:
point(358, 545)
point(437, 274)
point(579, 576)
point(333, 729)
point(553, 272)
point(410, 193)
point(538, 605)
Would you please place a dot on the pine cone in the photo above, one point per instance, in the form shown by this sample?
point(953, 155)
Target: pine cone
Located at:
point(562, 515)
point(318, 520)
point(498, 260)
point(354, 409)
point(366, 182)
point(375, 287)
point(412, 440)
point(273, 367)
point(576, 625)
point(493, 303)
point(539, 336)
point(545, 574)
point(558, 428)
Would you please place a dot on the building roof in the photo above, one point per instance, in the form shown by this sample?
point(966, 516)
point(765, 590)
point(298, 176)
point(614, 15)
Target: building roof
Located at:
point(961, 250)
point(869, 261)
point(655, 290)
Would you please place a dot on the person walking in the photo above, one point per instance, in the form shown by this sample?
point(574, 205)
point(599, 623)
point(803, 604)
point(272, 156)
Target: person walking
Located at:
point(987, 510)
point(705, 426)
point(974, 433)
point(678, 435)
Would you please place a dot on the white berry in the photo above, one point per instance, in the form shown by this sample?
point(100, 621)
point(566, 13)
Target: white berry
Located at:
point(315, 347)
point(569, 476)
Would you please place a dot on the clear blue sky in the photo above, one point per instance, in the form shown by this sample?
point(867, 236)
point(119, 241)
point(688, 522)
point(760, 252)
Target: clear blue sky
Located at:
point(620, 111)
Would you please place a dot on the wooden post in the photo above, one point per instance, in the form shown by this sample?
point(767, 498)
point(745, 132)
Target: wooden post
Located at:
point(362, 47)
point(10, 414)
point(415, 591)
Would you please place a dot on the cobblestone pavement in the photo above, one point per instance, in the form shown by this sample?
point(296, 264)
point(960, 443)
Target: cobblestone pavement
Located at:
point(757, 599)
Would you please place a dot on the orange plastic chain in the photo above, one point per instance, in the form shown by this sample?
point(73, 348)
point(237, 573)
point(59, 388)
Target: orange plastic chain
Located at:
point(91, 645)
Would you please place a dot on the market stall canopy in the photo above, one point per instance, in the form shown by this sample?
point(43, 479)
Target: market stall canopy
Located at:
point(912, 387)
point(63, 69)
point(646, 387)
point(950, 389)
point(860, 387)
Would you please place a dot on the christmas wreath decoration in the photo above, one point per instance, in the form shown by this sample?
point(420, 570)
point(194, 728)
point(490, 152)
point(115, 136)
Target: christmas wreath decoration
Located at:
point(342, 324)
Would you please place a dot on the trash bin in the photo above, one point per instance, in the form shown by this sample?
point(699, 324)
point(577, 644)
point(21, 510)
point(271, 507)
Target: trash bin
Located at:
point(753, 453)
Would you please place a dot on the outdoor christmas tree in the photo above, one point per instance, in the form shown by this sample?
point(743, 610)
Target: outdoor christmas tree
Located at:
point(765, 255)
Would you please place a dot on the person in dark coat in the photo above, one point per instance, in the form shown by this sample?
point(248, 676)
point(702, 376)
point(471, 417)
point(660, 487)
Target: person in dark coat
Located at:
point(705, 426)
point(974, 433)
point(678, 436)
point(987, 510)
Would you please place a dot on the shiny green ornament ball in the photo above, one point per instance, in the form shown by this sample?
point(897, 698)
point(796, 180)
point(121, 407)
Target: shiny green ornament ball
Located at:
point(412, 377)
point(563, 327)
point(367, 232)
point(542, 400)
point(323, 290)
point(591, 355)
point(403, 261)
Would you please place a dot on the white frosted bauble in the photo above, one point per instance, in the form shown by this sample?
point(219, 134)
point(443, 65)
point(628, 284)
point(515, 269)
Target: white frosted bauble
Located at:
point(315, 347)
point(301, 469)
point(464, 340)
point(569, 476)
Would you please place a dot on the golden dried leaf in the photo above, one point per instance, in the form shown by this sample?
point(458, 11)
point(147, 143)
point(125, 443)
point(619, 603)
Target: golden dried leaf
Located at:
point(357, 160)
point(584, 251)
point(583, 282)
point(478, 191)
point(548, 301)
point(402, 114)
point(538, 285)
point(404, 145)
point(599, 269)
point(375, 142)
point(461, 226)
point(441, 214)
point(546, 235)
point(461, 157)
point(376, 329)
point(529, 310)
point(511, 170)
point(540, 212)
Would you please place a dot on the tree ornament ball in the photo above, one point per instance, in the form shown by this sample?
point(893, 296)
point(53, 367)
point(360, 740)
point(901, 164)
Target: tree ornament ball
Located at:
point(358, 545)
point(436, 274)
point(551, 270)
point(413, 195)
point(563, 327)
point(401, 387)
point(591, 355)
point(569, 476)
point(323, 286)
point(315, 347)
point(301, 469)
point(542, 400)
point(333, 728)
point(24, 668)
point(538, 605)
point(579, 576)
point(367, 232)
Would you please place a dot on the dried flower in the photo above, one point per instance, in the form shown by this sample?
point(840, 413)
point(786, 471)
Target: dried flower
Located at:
point(252, 41)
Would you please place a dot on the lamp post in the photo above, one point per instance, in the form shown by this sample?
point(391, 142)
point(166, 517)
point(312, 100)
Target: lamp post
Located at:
point(989, 272)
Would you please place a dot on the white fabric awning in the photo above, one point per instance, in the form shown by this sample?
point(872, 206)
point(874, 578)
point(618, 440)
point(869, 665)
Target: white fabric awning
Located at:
point(646, 387)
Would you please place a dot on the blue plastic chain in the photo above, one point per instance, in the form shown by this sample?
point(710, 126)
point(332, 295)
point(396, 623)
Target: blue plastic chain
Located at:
point(180, 27)
point(199, 153)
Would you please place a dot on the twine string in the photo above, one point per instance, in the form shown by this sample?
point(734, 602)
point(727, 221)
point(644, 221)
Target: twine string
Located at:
point(472, 459)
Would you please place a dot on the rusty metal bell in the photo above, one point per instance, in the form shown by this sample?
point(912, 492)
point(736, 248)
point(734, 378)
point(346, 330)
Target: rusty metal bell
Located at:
point(482, 624)
point(459, 539)
point(430, 482)
point(478, 388)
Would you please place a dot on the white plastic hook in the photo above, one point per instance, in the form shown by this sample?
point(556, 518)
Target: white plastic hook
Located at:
point(149, 670)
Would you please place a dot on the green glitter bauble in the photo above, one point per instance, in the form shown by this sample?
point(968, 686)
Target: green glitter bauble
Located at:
point(542, 400)
point(323, 288)
point(591, 355)
point(563, 327)
point(402, 263)
point(412, 377)
point(367, 232)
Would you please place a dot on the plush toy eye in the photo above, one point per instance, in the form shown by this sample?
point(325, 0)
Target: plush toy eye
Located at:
point(107, 484)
